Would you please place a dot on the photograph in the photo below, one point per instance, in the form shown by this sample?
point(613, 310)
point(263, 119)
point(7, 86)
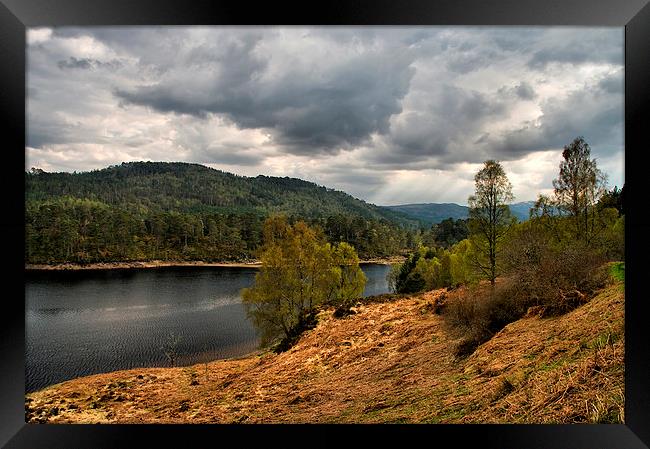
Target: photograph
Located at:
point(367, 224)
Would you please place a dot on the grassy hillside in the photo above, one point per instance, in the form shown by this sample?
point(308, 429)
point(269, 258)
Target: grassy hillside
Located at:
point(434, 213)
point(390, 362)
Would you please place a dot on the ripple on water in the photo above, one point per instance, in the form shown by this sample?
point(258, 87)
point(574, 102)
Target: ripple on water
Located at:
point(89, 322)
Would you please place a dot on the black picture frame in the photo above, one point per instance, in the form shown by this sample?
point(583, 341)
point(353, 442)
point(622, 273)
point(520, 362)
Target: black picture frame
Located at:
point(16, 15)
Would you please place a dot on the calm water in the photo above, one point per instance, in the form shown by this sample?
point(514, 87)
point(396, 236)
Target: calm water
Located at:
point(88, 322)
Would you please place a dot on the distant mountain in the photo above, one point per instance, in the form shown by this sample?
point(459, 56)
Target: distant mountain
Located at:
point(522, 210)
point(433, 213)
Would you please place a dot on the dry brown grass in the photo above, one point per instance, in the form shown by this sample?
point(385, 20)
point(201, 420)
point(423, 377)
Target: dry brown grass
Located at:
point(389, 362)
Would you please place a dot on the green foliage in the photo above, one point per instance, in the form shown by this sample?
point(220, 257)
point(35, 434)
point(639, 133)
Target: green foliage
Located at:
point(352, 280)
point(175, 211)
point(432, 268)
point(462, 268)
point(617, 271)
point(69, 229)
point(407, 280)
point(449, 232)
point(553, 261)
point(550, 267)
point(391, 277)
point(300, 272)
point(613, 198)
point(490, 218)
point(370, 238)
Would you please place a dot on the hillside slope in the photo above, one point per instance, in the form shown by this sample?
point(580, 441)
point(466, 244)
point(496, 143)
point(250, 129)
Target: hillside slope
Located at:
point(184, 187)
point(390, 362)
point(146, 211)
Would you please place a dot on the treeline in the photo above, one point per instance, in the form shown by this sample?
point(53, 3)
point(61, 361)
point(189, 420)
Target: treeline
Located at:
point(550, 264)
point(581, 217)
point(444, 234)
point(69, 229)
point(434, 265)
point(178, 211)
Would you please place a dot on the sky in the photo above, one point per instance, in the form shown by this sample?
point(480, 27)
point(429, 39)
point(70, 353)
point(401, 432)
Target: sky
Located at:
point(391, 115)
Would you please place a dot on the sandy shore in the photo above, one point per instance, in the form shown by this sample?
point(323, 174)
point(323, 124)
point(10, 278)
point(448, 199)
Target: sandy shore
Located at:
point(169, 263)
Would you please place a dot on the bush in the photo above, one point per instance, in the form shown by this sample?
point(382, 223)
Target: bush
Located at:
point(556, 276)
point(479, 312)
point(617, 271)
point(553, 276)
point(406, 280)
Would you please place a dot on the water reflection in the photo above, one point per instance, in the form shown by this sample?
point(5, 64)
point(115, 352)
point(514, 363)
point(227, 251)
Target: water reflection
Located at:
point(87, 322)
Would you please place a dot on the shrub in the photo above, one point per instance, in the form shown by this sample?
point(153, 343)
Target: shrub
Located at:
point(617, 271)
point(479, 312)
point(406, 280)
point(557, 276)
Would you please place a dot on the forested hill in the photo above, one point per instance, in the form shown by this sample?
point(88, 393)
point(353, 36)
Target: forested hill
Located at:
point(433, 213)
point(179, 211)
point(193, 188)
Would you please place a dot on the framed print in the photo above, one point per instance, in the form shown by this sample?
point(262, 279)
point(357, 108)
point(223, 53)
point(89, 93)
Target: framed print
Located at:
point(403, 220)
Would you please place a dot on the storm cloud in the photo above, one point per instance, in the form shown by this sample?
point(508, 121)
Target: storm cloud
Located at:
point(369, 110)
point(338, 107)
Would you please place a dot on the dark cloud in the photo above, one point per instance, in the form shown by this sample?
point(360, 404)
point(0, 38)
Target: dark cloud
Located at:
point(592, 111)
point(74, 63)
point(482, 139)
point(231, 156)
point(39, 134)
point(453, 115)
point(578, 47)
point(612, 84)
point(88, 63)
point(341, 174)
point(401, 98)
point(339, 109)
point(525, 91)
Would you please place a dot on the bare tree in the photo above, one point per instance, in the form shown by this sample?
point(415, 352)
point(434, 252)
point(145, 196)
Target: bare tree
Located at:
point(170, 348)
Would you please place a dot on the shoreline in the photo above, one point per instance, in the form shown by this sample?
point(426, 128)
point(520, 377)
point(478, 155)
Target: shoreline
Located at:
point(70, 266)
